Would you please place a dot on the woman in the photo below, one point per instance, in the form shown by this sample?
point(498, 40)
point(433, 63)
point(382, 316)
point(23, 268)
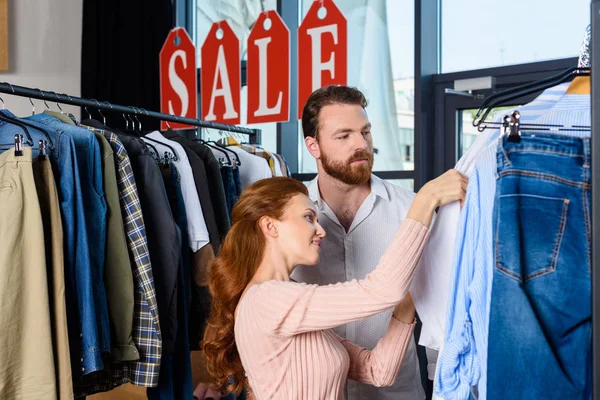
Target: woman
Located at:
point(278, 331)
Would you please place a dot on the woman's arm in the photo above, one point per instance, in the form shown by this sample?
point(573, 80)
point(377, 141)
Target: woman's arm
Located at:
point(288, 308)
point(379, 367)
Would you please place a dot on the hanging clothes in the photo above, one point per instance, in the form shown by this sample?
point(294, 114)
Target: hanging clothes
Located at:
point(84, 341)
point(146, 325)
point(55, 273)
point(90, 169)
point(216, 188)
point(27, 369)
point(202, 188)
point(118, 274)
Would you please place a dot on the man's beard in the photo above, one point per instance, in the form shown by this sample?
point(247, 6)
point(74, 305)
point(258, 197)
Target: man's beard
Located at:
point(348, 173)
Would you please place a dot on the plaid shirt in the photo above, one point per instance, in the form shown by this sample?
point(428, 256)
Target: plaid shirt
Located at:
point(146, 327)
point(260, 152)
point(251, 148)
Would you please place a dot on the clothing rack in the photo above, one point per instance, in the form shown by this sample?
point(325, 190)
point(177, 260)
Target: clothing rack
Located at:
point(595, 168)
point(53, 97)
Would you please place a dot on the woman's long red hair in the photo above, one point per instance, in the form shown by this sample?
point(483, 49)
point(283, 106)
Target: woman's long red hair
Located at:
point(241, 254)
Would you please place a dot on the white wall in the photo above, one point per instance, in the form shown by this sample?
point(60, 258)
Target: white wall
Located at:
point(44, 51)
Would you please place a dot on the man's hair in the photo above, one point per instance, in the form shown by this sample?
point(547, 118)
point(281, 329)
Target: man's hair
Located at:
point(324, 97)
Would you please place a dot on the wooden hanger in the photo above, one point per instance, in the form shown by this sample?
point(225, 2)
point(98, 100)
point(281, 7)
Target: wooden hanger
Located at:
point(580, 85)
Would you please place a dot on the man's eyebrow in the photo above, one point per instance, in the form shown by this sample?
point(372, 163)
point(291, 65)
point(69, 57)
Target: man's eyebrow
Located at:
point(350, 130)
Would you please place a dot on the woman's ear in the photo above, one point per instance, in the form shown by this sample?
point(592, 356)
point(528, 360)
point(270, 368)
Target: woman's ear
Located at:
point(268, 227)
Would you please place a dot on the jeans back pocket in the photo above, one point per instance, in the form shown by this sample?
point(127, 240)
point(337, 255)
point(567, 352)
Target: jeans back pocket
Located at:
point(529, 234)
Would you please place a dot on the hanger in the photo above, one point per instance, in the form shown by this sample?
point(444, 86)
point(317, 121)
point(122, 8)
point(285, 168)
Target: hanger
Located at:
point(214, 145)
point(581, 84)
point(531, 88)
point(100, 112)
point(21, 123)
point(58, 105)
point(18, 144)
point(221, 146)
point(174, 156)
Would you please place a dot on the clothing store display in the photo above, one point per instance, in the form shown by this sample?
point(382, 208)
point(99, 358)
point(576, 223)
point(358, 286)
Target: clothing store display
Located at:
point(112, 275)
point(283, 334)
point(213, 174)
point(84, 343)
point(164, 238)
point(176, 378)
point(467, 342)
point(55, 273)
point(202, 188)
point(118, 275)
point(90, 170)
point(197, 229)
point(146, 325)
point(542, 245)
point(27, 370)
point(353, 255)
point(469, 324)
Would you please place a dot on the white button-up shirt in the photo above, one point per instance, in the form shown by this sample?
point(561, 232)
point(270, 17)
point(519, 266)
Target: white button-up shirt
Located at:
point(352, 255)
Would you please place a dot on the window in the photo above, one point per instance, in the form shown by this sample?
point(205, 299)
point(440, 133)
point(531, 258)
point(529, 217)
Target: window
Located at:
point(381, 65)
point(241, 18)
point(491, 33)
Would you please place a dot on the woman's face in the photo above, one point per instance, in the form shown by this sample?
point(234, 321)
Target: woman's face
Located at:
point(300, 233)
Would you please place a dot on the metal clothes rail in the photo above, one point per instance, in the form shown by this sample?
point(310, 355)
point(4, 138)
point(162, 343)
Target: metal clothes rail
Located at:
point(53, 97)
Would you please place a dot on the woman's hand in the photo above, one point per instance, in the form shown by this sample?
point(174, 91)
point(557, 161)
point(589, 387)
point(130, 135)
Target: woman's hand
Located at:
point(405, 311)
point(449, 187)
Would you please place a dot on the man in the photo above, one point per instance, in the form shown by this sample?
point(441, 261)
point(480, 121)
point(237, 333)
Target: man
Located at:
point(360, 214)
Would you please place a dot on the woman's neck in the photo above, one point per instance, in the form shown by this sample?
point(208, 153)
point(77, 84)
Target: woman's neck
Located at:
point(273, 267)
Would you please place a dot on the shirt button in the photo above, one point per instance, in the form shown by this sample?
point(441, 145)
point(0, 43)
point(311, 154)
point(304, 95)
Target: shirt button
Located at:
point(82, 360)
point(82, 369)
point(81, 335)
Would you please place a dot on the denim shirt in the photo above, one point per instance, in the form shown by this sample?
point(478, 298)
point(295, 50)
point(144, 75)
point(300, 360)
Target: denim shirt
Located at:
point(81, 311)
point(89, 161)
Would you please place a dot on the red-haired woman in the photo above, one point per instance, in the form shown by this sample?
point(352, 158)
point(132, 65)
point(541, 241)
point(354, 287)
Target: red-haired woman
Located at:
point(277, 331)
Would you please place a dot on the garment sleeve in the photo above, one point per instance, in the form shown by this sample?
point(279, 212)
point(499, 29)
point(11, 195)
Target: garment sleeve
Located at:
point(380, 366)
point(287, 308)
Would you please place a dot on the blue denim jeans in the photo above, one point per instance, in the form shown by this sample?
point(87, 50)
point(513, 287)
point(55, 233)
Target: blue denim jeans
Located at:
point(84, 342)
point(89, 160)
point(540, 331)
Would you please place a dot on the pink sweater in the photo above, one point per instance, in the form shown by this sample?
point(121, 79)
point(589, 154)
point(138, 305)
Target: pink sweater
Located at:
point(284, 337)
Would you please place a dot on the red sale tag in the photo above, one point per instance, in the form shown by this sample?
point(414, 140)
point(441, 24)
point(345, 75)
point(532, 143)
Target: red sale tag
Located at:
point(268, 70)
point(322, 50)
point(178, 83)
point(220, 75)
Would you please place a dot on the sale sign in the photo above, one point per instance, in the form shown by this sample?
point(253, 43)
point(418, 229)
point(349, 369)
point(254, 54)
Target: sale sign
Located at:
point(220, 75)
point(322, 50)
point(178, 83)
point(268, 70)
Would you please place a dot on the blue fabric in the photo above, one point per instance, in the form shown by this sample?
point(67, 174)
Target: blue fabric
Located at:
point(463, 363)
point(175, 381)
point(230, 188)
point(539, 332)
point(89, 161)
point(84, 342)
point(238, 182)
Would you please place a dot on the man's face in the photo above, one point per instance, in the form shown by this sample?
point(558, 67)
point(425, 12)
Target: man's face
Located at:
point(345, 145)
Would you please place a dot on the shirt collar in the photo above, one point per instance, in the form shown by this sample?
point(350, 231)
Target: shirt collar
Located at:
point(377, 188)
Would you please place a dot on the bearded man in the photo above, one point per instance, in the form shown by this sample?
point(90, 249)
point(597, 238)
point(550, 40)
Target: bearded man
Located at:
point(360, 213)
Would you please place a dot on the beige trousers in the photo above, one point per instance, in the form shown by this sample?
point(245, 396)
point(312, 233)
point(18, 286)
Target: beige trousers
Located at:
point(26, 357)
point(53, 235)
